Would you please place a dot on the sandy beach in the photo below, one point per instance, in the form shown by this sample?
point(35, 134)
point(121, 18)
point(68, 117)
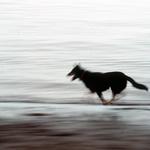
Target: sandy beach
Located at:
point(25, 126)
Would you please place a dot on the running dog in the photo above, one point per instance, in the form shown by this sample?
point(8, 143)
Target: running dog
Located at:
point(98, 82)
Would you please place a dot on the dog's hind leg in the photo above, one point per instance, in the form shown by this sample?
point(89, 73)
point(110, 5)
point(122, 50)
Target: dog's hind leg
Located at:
point(112, 100)
point(116, 97)
point(102, 98)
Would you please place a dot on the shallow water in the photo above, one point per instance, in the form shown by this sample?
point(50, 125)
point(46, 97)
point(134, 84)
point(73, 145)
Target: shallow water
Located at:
point(86, 126)
point(41, 40)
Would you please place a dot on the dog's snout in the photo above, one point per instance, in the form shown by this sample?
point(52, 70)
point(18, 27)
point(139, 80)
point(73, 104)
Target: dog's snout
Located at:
point(69, 74)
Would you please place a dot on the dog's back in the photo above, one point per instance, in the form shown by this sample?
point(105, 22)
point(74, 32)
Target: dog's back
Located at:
point(102, 81)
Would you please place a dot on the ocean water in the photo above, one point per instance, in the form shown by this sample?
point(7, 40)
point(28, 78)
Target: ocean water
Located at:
point(40, 41)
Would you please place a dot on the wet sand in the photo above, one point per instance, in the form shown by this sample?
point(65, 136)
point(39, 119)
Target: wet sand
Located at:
point(25, 126)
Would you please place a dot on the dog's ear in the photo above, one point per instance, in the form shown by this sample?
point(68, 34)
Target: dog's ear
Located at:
point(77, 65)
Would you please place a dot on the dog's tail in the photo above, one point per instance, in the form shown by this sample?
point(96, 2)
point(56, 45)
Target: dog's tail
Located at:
point(137, 85)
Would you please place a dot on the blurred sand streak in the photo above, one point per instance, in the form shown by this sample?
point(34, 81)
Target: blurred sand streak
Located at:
point(74, 126)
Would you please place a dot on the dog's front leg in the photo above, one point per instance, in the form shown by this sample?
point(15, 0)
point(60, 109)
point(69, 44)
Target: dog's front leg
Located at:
point(104, 102)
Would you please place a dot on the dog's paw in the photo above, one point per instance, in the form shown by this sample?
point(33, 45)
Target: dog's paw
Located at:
point(107, 103)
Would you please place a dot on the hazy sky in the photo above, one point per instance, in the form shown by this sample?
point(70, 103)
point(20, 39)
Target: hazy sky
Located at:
point(73, 19)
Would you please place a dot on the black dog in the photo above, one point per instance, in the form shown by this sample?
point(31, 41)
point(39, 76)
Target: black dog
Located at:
point(99, 82)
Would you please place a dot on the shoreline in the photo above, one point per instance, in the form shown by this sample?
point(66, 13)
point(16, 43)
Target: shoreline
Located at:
point(82, 127)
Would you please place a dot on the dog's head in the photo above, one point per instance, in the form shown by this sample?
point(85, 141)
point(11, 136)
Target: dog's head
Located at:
point(75, 72)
